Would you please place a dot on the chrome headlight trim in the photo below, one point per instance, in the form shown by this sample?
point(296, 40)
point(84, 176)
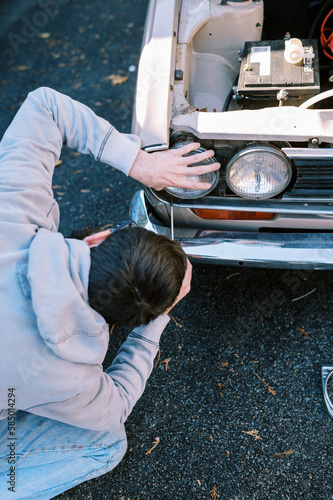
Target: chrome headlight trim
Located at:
point(211, 177)
point(256, 161)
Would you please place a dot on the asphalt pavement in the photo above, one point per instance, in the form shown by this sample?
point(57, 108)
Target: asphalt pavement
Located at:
point(234, 407)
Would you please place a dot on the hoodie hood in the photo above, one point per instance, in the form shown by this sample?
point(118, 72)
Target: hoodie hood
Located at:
point(58, 274)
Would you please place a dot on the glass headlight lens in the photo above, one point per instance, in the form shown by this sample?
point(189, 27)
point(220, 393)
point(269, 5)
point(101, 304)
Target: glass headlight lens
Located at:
point(211, 177)
point(258, 172)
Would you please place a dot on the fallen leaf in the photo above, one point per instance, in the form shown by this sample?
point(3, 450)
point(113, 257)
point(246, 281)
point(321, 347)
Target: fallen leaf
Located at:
point(270, 389)
point(253, 433)
point(304, 332)
point(178, 324)
point(213, 492)
point(59, 162)
point(21, 68)
point(223, 365)
point(157, 440)
point(166, 361)
point(278, 455)
point(116, 79)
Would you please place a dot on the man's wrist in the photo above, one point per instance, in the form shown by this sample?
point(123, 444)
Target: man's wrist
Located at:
point(154, 329)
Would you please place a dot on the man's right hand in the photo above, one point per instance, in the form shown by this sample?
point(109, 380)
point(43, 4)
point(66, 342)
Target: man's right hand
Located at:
point(170, 168)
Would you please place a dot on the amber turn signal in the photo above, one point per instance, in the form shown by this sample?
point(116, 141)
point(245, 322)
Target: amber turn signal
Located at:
point(208, 213)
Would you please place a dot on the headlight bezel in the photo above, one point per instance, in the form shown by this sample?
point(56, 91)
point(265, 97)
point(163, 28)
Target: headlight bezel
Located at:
point(192, 194)
point(251, 149)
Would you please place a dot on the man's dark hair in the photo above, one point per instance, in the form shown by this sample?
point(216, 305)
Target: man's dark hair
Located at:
point(135, 276)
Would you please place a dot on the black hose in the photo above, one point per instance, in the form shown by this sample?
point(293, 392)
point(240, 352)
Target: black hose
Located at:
point(318, 17)
point(229, 96)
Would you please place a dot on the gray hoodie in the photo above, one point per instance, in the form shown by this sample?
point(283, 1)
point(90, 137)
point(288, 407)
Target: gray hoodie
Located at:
point(52, 342)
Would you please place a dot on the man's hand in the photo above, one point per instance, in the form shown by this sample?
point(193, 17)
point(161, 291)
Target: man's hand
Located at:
point(170, 168)
point(185, 288)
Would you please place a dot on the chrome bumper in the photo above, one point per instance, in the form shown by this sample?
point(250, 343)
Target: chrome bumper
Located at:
point(280, 250)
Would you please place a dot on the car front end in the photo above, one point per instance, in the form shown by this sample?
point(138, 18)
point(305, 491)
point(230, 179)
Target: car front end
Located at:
point(207, 74)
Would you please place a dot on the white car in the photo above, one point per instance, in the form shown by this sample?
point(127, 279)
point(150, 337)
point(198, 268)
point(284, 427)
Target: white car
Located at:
point(221, 73)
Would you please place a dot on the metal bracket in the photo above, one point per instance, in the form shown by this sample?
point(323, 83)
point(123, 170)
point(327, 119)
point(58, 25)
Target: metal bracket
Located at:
point(172, 227)
point(326, 372)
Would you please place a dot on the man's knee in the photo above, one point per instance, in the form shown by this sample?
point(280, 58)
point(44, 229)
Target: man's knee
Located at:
point(113, 453)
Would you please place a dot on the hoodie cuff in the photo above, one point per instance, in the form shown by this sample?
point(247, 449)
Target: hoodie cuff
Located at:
point(121, 150)
point(154, 329)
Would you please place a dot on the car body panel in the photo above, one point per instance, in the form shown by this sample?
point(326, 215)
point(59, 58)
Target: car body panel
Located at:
point(152, 109)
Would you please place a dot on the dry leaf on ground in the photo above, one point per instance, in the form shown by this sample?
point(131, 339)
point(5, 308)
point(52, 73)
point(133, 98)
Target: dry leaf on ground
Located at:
point(287, 452)
point(253, 433)
point(173, 319)
point(304, 332)
point(270, 389)
point(213, 492)
point(155, 443)
point(116, 79)
point(166, 361)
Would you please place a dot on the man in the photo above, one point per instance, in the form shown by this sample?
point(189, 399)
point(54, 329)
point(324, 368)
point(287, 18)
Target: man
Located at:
point(62, 417)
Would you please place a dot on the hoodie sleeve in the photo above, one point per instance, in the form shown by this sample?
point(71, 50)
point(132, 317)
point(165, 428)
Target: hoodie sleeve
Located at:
point(32, 144)
point(104, 400)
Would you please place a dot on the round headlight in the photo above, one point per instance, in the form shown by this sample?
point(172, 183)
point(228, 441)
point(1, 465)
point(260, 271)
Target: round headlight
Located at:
point(211, 177)
point(258, 172)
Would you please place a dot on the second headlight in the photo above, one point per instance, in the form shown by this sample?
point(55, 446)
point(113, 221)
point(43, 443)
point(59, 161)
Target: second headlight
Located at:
point(258, 172)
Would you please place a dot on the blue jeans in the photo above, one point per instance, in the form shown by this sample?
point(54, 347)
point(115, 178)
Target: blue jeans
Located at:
point(51, 457)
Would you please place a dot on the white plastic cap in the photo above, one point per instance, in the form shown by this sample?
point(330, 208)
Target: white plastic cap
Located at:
point(294, 51)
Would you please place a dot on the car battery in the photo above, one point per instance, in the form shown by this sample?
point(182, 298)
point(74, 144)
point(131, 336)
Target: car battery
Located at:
point(279, 69)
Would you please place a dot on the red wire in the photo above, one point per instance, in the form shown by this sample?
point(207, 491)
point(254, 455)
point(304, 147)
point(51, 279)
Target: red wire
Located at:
point(327, 43)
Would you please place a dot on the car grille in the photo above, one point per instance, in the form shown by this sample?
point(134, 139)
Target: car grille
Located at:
point(313, 178)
